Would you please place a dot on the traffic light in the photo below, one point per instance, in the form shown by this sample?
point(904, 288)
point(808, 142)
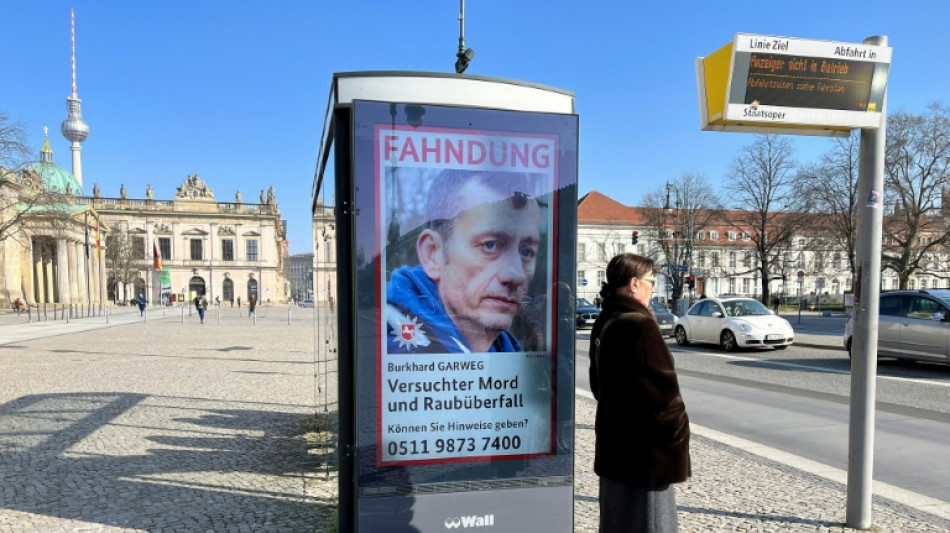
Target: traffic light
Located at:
point(692, 282)
point(636, 237)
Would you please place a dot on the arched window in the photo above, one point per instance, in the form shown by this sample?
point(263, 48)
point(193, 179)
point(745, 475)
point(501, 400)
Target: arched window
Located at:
point(196, 285)
point(252, 289)
point(228, 290)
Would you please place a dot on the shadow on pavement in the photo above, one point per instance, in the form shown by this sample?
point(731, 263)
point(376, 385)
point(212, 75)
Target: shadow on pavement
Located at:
point(87, 457)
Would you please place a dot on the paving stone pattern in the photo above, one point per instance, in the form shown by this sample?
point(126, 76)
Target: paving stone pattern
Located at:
point(171, 427)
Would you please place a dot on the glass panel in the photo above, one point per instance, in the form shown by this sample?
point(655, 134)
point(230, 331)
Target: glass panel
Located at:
point(165, 247)
point(469, 203)
point(196, 249)
point(227, 249)
point(252, 250)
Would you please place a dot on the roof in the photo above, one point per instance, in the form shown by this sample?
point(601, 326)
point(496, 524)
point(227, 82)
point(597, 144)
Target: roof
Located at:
point(55, 178)
point(596, 208)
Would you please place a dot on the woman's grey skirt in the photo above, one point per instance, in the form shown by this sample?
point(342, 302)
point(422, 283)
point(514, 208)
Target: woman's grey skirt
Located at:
point(635, 508)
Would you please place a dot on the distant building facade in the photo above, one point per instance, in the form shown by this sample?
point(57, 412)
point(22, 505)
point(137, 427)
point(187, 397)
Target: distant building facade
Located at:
point(324, 253)
point(227, 250)
point(299, 268)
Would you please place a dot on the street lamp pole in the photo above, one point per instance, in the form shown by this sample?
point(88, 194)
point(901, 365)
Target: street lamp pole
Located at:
point(675, 264)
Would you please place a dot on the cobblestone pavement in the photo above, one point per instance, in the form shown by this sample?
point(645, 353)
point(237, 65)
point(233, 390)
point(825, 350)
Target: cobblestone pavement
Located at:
point(170, 426)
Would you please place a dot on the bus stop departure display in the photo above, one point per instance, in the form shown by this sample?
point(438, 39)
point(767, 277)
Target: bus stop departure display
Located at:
point(811, 82)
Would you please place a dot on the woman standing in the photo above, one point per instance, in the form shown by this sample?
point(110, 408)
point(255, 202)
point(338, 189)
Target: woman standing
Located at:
point(641, 428)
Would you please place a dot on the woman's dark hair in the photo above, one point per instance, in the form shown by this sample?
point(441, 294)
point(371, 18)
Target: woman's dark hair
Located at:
point(621, 269)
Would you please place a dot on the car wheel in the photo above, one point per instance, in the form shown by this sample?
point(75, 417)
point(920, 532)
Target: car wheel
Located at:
point(728, 341)
point(681, 338)
point(781, 347)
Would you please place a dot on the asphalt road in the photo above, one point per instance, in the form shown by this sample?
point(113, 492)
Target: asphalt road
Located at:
point(797, 401)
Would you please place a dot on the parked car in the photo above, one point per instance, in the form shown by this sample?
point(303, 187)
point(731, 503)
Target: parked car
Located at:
point(585, 313)
point(664, 318)
point(305, 303)
point(912, 325)
point(734, 323)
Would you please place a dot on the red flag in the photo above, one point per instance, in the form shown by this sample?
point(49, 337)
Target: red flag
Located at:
point(158, 256)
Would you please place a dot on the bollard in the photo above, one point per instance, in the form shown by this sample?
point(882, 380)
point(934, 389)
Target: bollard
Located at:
point(66, 312)
point(183, 312)
point(255, 319)
point(145, 314)
point(29, 314)
point(219, 314)
point(55, 308)
point(46, 312)
point(288, 315)
point(107, 314)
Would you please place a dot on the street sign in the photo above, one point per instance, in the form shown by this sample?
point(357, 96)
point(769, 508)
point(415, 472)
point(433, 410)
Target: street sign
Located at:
point(820, 283)
point(584, 282)
point(801, 274)
point(681, 268)
point(769, 84)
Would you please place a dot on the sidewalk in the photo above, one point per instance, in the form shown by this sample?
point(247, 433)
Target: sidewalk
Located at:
point(170, 426)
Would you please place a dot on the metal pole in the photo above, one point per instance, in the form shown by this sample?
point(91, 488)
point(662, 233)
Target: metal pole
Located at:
point(866, 312)
point(183, 312)
point(288, 315)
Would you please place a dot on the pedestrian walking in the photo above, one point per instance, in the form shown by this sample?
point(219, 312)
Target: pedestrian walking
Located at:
point(641, 426)
point(141, 301)
point(252, 304)
point(775, 304)
point(239, 301)
point(201, 304)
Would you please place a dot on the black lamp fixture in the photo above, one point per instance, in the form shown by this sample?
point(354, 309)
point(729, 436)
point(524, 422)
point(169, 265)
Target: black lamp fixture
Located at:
point(464, 55)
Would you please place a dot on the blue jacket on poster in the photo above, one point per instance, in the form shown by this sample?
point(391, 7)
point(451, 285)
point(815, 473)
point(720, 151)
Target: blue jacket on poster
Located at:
point(417, 322)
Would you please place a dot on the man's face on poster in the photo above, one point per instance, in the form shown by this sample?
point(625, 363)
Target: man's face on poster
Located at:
point(485, 263)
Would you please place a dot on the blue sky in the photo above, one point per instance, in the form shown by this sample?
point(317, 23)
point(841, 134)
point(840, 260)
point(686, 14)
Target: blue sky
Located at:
point(236, 91)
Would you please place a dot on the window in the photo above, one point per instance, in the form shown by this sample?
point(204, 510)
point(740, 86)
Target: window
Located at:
point(581, 274)
point(715, 259)
point(747, 260)
point(801, 243)
point(746, 236)
point(701, 235)
point(732, 285)
point(252, 249)
point(702, 259)
point(820, 262)
point(581, 251)
point(227, 249)
point(138, 246)
point(600, 279)
point(669, 234)
point(165, 247)
point(731, 235)
point(195, 249)
point(836, 261)
point(714, 235)
point(746, 285)
point(732, 260)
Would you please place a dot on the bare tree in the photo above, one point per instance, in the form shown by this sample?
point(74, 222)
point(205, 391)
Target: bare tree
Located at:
point(123, 263)
point(768, 201)
point(674, 214)
point(916, 173)
point(24, 200)
point(833, 186)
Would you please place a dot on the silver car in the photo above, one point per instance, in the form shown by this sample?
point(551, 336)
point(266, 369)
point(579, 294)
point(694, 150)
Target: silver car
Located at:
point(912, 325)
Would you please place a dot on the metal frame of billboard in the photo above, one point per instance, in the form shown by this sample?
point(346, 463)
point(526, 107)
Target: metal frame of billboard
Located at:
point(358, 506)
point(822, 88)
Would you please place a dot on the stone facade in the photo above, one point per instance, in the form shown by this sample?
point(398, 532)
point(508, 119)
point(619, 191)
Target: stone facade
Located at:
point(228, 250)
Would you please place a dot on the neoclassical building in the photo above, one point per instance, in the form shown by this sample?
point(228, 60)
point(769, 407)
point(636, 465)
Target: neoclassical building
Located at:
point(48, 253)
point(228, 250)
point(324, 252)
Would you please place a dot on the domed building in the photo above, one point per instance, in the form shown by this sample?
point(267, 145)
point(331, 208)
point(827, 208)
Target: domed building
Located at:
point(48, 254)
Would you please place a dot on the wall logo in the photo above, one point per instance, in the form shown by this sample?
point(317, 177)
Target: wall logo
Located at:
point(455, 522)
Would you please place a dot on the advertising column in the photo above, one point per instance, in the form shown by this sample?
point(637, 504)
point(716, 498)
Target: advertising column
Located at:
point(465, 354)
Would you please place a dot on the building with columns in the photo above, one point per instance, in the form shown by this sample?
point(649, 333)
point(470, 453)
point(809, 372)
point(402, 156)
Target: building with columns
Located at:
point(227, 250)
point(48, 253)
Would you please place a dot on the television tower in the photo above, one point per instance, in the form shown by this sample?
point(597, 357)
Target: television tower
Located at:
point(74, 128)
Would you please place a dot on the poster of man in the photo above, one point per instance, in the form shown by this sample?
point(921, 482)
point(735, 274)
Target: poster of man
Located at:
point(466, 364)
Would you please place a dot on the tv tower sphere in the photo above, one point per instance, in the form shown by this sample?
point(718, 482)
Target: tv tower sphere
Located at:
point(74, 128)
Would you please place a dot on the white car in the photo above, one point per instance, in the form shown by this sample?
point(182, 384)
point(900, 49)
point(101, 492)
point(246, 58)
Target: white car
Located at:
point(734, 323)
